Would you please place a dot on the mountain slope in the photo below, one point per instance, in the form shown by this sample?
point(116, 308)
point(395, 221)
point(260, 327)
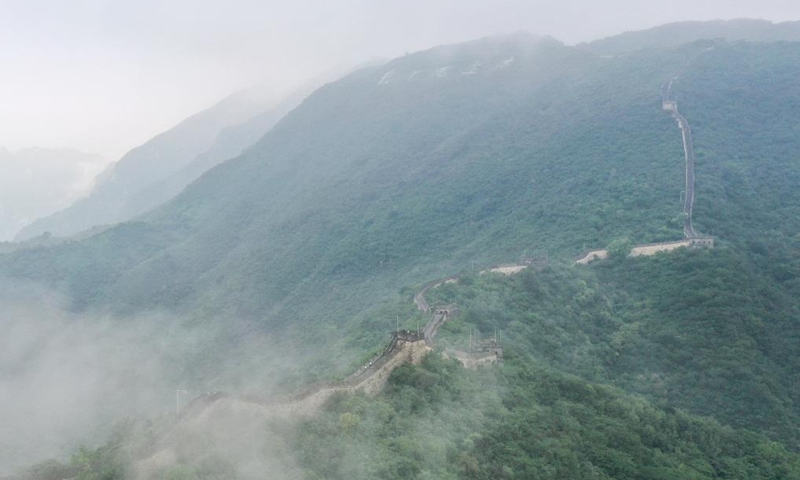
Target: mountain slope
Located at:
point(702, 331)
point(438, 421)
point(229, 143)
point(373, 177)
point(160, 168)
point(413, 170)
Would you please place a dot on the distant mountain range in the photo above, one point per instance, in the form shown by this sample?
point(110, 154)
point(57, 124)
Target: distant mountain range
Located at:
point(156, 171)
point(35, 182)
point(162, 166)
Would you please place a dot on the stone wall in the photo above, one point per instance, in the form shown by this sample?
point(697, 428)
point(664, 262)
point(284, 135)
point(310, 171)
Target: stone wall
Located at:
point(646, 250)
point(371, 384)
point(472, 361)
point(702, 242)
point(592, 256)
point(650, 249)
point(410, 352)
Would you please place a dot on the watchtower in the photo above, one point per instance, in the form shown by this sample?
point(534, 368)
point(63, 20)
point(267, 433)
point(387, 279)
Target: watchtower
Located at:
point(701, 242)
point(447, 310)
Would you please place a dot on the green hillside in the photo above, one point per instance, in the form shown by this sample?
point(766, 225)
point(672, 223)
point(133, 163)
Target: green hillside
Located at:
point(368, 187)
point(687, 330)
point(441, 421)
point(415, 169)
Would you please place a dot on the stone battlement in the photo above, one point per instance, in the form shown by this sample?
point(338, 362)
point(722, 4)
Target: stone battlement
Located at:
point(648, 249)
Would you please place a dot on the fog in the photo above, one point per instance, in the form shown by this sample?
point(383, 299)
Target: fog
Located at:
point(70, 379)
point(66, 378)
point(36, 182)
point(103, 77)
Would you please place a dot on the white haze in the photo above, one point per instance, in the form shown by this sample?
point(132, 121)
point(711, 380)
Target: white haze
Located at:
point(106, 76)
point(67, 378)
point(62, 378)
point(35, 182)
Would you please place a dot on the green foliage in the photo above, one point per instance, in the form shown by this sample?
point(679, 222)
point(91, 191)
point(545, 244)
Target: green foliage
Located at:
point(329, 215)
point(704, 331)
point(103, 463)
point(349, 421)
point(619, 248)
point(114, 460)
point(525, 421)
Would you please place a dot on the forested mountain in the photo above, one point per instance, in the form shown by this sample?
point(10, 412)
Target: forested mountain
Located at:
point(229, 143)
point(411, 170)
point(466, 152)
point(472, 154)
point(35, 182)
point(675, 34)
point(159, 169)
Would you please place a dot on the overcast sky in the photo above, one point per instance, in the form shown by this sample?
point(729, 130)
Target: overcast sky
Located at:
point(104, 76)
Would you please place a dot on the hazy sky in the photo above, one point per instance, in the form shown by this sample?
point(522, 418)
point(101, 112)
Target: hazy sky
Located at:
point(104, 76)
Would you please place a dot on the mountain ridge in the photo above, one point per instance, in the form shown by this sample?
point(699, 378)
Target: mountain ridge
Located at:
point(127, 186)
point(679, 33)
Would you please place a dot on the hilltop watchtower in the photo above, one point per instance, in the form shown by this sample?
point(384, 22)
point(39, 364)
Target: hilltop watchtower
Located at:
point(447, 310)
point(701, 242)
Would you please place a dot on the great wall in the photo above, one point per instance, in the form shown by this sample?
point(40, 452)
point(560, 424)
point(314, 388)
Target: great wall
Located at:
point(691, 238)
point(405, 346)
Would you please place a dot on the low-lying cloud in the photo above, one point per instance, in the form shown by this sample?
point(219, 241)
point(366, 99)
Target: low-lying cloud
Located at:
point(66, 378)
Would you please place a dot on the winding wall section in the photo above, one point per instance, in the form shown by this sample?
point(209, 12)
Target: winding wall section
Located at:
point(688, 152)
point(692, 239)
point(219, 408)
